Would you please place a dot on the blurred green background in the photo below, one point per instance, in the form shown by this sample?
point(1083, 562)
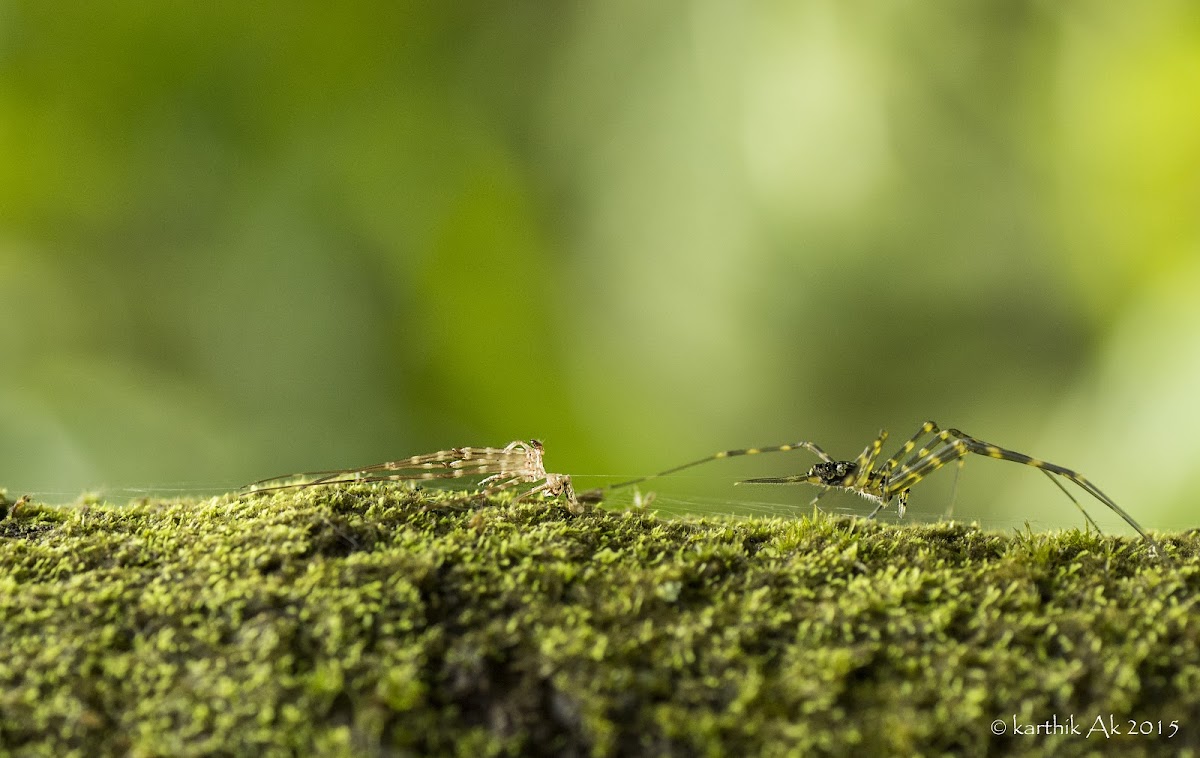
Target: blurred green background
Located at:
point(238, 239)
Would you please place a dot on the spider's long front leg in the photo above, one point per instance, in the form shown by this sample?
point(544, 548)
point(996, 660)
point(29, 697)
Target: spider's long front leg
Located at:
point(812, 448)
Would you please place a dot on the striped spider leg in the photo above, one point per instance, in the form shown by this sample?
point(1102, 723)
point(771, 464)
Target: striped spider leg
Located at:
point(845, 467)
point(895, 479)
point(725, 454)
point(514, 464)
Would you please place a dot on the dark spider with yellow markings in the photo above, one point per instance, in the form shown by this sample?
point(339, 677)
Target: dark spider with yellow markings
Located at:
point(896, 476)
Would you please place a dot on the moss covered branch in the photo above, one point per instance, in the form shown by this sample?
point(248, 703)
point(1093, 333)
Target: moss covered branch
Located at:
point(383, 620)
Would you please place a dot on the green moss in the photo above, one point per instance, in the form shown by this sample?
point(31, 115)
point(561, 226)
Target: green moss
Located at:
point(384, 620)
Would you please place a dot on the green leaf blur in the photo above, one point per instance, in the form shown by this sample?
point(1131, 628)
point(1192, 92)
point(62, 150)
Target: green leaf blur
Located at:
point(238, 239)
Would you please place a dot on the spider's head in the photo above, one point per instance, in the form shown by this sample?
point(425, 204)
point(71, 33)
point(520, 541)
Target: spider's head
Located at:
point(833, 473)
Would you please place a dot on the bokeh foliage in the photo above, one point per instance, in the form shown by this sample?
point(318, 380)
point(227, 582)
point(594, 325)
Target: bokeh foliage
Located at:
point(237, 239)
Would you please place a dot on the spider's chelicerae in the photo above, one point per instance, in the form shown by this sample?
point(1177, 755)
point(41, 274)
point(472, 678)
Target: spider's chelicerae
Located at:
point(514, 464)
point(896, 476)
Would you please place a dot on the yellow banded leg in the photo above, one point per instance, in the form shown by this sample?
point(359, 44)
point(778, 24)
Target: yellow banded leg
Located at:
point(928, 427)
point(1000, 453)
point(809, 446)
point(928, 462)
point(866, 460)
